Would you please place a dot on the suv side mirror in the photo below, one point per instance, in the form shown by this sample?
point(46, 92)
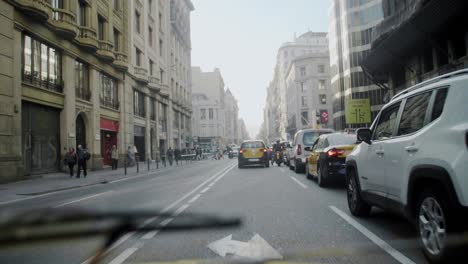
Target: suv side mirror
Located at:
point(307, 148)
point(364, 135)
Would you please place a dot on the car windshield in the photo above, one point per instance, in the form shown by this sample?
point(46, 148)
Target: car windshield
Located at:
point(341, 139)
point(233, 131)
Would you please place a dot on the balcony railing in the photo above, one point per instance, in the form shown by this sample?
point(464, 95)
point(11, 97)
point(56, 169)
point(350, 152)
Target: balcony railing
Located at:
point(154, 82)
point(35, 80)
point(141, 74)
point(37, 8)
point(106, 50)
point(65, 22)
point(83, 94)
point(87, 37)
point(121, 61)
point(114, 104)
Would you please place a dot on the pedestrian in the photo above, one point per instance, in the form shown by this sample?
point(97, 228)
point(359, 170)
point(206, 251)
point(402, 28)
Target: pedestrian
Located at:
point(130, 157)
point(163, 156)
point(136, 155)
point(83, 156)
point(170, 155)
point(115, 157)
point(70, 160)
point(177, 155)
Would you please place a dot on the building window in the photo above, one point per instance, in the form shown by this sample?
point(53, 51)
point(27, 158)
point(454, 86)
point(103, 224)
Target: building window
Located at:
point(321, 85)
point(303, 88)
point(412, 118)
point(138, 55)
point(153, 109)
point(151, 67)
point(109, 94)
point(305, 118)
point(81, 13)
point(116, 5)
point(161, 75)
point(160, 21)
point(304, 101)
point(161, 48)
point(150, 36)
point(303, 71)
point(139, 103)
point(321, 68)
point(150, 7)
point(323, 98)
point(176, 120)
point(82, 90)
point(116, 40)
point(41, 65)
point(162, 117)
point(203, 114)
point(101, 27)
point(211, 113)
point(137, 22)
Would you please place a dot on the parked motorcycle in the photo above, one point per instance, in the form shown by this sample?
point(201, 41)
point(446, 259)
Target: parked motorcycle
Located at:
point(278, 158)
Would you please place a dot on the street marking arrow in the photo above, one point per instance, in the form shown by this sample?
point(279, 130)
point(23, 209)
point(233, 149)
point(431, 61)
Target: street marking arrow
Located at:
point(256, 249)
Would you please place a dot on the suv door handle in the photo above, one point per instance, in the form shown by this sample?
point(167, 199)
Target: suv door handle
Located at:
point(379, 152)
point(411, 149)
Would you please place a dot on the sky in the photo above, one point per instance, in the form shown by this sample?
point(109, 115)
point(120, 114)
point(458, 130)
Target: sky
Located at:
point(242, 37)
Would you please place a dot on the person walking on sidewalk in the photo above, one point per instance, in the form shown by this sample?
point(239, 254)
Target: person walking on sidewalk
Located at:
point(177, 155)
point(70, 160)
point(83, 156)
point(170, 155)
point(115, 157)
point(130, 157)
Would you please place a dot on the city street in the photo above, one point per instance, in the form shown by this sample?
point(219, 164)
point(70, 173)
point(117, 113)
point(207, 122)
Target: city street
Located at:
point(284, 216)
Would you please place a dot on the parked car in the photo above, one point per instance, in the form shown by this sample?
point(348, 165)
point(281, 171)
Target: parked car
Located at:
point(253, 152)
point(413, 160)
point(302, 139)
point(287, 153)
point(327, 157)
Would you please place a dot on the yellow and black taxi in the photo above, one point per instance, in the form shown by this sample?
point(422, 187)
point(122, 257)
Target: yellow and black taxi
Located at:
point(253, 152)
point(327, 157)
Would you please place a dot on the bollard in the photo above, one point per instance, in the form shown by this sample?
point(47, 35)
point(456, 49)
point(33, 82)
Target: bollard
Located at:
point(148, 164)
point(125, 166)
point(138, 165)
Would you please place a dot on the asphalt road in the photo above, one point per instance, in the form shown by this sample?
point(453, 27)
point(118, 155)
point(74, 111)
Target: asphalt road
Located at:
point(284, 216)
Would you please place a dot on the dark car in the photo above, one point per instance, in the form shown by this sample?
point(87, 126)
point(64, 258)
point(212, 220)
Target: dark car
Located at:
point(253, 152)
point(327, 157)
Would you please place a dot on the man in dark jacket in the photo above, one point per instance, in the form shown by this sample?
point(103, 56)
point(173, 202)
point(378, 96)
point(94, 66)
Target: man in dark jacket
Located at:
point(177, 155)
point(170, 155)
point(82, 156)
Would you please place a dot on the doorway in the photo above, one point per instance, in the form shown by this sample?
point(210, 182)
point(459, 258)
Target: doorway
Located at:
point(80, 131)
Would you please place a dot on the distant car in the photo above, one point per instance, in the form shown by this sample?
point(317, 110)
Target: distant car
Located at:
point(327, 157)
point(235, 151)
point(302, 139)
point(253, 152)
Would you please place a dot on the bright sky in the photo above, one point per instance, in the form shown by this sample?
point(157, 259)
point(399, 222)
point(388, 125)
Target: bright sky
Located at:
point(241, 37)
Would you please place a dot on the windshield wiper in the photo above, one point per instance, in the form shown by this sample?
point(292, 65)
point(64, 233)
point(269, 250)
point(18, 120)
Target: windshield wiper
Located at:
point(55, 224)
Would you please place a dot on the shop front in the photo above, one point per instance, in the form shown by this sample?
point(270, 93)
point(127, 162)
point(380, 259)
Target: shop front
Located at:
point(109, 131)
point(139, 141)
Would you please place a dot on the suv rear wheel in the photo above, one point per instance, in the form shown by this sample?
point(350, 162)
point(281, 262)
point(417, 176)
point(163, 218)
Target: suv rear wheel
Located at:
point(434, 225)
point(357, 206)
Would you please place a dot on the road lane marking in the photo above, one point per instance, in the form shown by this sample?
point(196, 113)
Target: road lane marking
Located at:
point(194, 198)
point(181, 209)
point(150, 235)
point(166, 222)
point(124, 255)
point(81, 199)
point(378, 241)
point(298, 182)
point(205, 190)
point(220, 174)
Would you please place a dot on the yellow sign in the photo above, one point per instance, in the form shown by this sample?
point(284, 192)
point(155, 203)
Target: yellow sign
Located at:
point(357, 111)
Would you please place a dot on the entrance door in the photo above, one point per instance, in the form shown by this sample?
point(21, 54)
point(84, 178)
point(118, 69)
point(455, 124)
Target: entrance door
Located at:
point(41, 138)
point(80, 131)
point(108, 139)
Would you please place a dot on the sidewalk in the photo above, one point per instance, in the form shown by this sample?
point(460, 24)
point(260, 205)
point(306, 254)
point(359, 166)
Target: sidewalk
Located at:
point(53, 182)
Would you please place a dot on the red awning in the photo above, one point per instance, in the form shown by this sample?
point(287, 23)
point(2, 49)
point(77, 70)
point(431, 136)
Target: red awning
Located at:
point(109, 125)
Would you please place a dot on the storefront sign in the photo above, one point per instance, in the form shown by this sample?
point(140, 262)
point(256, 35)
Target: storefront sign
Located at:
point(357, 111)
point(109, 125)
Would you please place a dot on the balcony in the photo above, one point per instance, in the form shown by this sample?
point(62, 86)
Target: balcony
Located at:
point(64, 22)
point(165, 91)
point(141, 74)
point(114, 104)
point(106, 51)
point(154, 82)
point(121, 61)
point(83, 94)
point(40, 9)
point(87, 38)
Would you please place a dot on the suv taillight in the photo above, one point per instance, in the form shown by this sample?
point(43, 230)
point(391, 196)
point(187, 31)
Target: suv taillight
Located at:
point(299, 149)
point(241, 151)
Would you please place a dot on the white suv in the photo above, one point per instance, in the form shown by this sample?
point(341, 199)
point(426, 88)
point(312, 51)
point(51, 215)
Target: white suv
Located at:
point(302, 139)
point(414, 161)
